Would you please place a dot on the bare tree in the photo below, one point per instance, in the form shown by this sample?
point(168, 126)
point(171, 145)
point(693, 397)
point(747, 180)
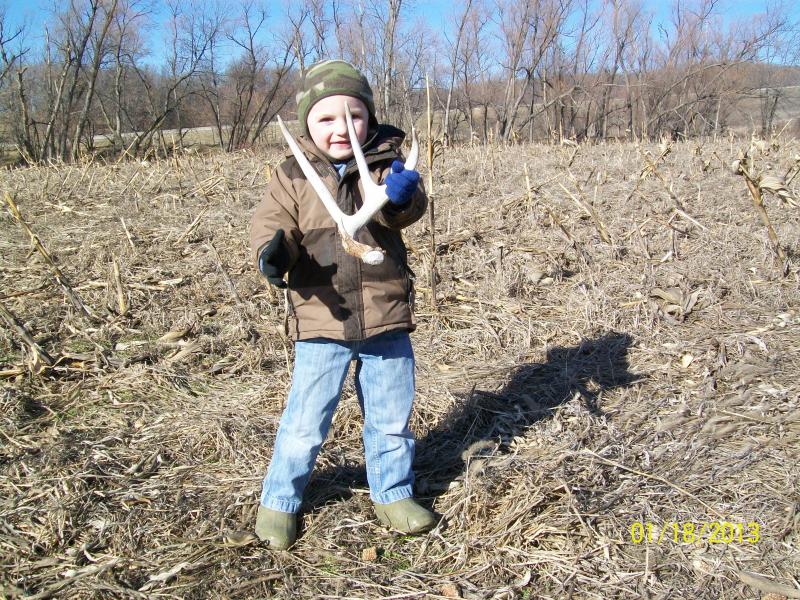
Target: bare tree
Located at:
point(257, 81)
point(695, 58)
point(99, 35)
point(514, 20)
point(388, 49)
point(320, 25)
point(782, 51)
point(12, 90)
point(475, 59)
point(77, 28)
point(193, 30)
point(413, 58)
point(622, 17)
point(117, 99)
point(564, 74)
point(455, 48)
point(372, 42)
point(11, 52)
point(64, 87)
point(529, 30)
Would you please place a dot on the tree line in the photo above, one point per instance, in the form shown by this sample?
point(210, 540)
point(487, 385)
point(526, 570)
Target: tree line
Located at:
point(499, 70)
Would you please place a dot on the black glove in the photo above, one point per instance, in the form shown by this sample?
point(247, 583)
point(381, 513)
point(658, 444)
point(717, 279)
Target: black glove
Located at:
point(273, 261)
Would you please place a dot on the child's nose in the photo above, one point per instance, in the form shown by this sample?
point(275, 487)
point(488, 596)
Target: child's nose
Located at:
point(341, 127)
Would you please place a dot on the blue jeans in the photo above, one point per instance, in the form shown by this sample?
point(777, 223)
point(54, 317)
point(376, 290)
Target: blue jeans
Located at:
point(384, 379)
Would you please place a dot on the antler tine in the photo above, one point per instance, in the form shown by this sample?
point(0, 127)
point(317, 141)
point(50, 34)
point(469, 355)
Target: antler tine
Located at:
point(313, 177)
point(363, 170)
point(413, 155)
point(411, 161)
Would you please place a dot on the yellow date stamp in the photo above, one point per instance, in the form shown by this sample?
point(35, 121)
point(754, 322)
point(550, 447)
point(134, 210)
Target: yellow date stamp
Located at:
point(688, 532)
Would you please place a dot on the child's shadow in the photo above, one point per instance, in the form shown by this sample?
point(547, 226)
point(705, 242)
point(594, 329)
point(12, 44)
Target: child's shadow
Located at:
point(584, 372)
point(534, 392)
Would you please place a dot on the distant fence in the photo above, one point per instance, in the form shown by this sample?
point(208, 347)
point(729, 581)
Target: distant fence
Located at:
point(272, 135)
point(203, 136)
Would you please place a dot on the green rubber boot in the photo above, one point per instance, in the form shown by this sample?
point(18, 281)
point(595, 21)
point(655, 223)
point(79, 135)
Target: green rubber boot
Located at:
point(278, 529)
point(406, 516)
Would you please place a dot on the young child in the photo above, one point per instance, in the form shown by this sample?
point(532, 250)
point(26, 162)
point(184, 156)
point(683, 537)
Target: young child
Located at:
point(341, 309)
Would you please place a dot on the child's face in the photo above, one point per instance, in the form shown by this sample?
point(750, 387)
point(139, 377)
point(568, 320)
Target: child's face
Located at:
point(328, 128)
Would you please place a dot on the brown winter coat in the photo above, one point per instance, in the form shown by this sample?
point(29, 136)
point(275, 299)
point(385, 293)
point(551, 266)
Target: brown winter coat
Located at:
point(333, 294)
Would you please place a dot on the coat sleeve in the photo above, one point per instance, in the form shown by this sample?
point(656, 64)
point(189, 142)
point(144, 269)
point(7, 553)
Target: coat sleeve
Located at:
point(395, 217)
point(277, 210)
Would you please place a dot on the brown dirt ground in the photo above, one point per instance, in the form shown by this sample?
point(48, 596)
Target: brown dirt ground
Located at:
point(568, 388)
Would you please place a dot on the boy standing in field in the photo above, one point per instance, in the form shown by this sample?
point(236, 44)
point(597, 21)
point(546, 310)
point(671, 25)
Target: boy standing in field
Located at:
point(341, 309)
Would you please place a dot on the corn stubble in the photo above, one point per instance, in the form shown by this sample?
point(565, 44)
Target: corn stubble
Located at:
point(757, 184)
point(611, 344)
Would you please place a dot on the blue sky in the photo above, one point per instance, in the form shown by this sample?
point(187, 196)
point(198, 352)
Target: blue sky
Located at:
point(439, 10)
point(438, 13)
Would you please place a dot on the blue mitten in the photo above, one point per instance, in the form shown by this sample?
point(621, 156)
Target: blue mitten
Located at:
point(401, 184)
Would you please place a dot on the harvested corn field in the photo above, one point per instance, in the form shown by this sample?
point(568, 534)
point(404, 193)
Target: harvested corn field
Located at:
point(608, 398)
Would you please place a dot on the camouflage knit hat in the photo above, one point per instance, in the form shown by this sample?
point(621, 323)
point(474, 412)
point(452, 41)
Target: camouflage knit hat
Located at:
point(330, 78)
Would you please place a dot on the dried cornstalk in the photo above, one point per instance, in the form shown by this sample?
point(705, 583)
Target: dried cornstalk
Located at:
point(576, 245)
point(227, 277)
point(793, 171)
point(40, 358)
point(678, 208)
point(650, 164)
point(431, 203)
point(589, 210)
point(62, 281)
point(776, 185)
point(768, 586)
point(756, 185)
point(185, 352)
point(528, 189)
point(191, 227)
point(122, 301)
point(649, 167)
point(127, 233)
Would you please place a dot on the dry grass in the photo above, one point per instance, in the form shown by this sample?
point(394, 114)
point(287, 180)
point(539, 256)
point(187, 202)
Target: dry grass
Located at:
point(608, 349)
